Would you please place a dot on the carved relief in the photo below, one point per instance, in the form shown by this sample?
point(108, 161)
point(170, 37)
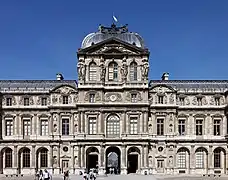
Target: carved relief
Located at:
point(124, 72)
point(103, 72)
point(186, 101)
point(171, 99)
point(75, 98)
point(39, 100)
point(81, 71)
point(128, 96)
point(212, 101)
point(151, 98)
point(97, 96)
point(194, 101)
point(14, 102)
point(31, 101)
point(145, 71)
point(171, 161)
point(113, 97)
point(222, 100)
point(204, 101)
point(54, 99)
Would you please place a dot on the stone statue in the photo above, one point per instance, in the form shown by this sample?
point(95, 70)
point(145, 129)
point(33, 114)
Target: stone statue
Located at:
point(55, 128)
point(103, 72)
point(54, 160)
point(170, 160)
point(81, 71)
point(145, 71)
point(75, 160)
point(124, 71)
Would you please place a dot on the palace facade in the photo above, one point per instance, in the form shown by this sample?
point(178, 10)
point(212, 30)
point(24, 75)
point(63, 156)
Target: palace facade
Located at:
point(113, 117)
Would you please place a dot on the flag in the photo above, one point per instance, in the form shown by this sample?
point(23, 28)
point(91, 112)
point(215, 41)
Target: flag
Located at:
point(115, 19)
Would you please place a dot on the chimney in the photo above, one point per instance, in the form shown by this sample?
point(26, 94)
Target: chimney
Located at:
point(165, 76)
point(59, 77)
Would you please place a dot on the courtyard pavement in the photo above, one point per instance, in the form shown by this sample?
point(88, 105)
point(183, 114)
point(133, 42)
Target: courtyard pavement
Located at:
point(124, 177)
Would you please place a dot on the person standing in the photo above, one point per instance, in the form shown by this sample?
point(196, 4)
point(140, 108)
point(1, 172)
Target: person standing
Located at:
point(46, 175)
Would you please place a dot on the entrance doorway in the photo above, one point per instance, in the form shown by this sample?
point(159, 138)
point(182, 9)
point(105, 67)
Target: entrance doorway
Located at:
point(113, 160)
point(160, 165)
point(132, 160)
point(92, 158)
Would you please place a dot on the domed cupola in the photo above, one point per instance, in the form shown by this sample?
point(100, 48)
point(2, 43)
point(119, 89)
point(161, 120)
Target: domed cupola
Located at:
point(106, 33)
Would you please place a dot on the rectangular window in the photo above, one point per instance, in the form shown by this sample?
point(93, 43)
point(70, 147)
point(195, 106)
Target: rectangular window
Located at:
point(93, 72)
point(217, 101)
point(182, 159)
point(65, 127)
point(160, 99)
point(8, 101)
point(134, 98)
point(133, 125)
point(26, 128)
point(44, 128)
point(199, 127)
point(92, 98)
point(8, 158)
point(217, 126)
point(200, 159)
point(160, 127)
point(26, 101)
point(9, 127)
point(44, 101)
point(160, 163)
point(65, 100)
point(181, 99)
point(199, 101)
point(92, 125)
point(181, 127)
point(217, 159)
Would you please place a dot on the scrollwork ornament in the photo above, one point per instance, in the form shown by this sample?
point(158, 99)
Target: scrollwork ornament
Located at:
point(98, 97)
point(187, 101)
point(194, 101)
point(204, 101)
point(212, 101)
point(128, 96)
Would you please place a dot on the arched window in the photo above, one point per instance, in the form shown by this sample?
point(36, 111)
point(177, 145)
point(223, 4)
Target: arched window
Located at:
point(26, 157)
point(8, 158)
point(113, 71)
point(200, 158)
point(113, 126)
point(92, 71)
point(133, 71)
point(182, 158)
point(44, 158)
point(217, 158)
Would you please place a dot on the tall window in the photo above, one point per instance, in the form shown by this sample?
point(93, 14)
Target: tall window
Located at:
point(26, 158)
point(65, 99)
point(133, 125)
point(44, 127)
point(92, 97)
point(181, 127)
point(26, 127)
point(161, 99)
point(92, 125)
point(199, 127)
point(217, 158)
point(182, 157)
point(134, 97)
point(9, 101)
point(217, 124)
point(217, 101)
point(92, 71)
point(200, 158)
point(133, 71)
point(44, 101)
point(44, 158)
point(9, 127)
point(113, 126)
point(8, 158)
point(113, 71)
point(199, 101)
point(26, 101)
point(65, 126)
point(160, 127)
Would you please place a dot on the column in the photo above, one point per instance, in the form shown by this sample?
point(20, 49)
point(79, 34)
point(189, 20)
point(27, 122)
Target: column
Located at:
point(146, 157)
point(58, 157)
point(99, 123)
point(102, 156)
point(79, 122)
point(210, 160)
point(79, 156)
point(83, 156)
point(124, 123)
point(142, 156)
point(127, 124)
point(33, 157)
point(72, 159)
point(82, 122)
point(50, 125)
point(226, 161)
point(146, 119)
point(15, 157)
point(102, 122)
point(224, 127)
point(33, 124)
point(71, 124)
point(141, 123)
point(154, 123)
point(16, 125)
point(50, 157)
point(123, 160)
point(192, 159)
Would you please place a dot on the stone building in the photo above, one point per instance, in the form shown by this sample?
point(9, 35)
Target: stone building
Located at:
point(113, 117)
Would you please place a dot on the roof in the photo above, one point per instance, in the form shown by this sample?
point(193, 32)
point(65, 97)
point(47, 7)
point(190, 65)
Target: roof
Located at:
point(43, 85)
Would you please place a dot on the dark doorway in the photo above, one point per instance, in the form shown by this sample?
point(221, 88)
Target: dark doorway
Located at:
point(132, 163)
point(92, 161)
point(113, 160)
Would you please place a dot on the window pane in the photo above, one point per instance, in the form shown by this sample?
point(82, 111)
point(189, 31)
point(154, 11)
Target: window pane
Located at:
point(65, 126)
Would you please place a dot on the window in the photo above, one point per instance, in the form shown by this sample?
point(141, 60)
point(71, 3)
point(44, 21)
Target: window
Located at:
point(160, 163)
point(200, 158)
point(8, 101)
point(133, 71)
point(217, 126)
point(44, 128)
point(65, 100)
point(92, 98)
point(133, 125)
point(199, 101)
point(26, 158)
point(92, 125)
point(8, 158)
point(181, 127)
point(113, 126)
point(9, 127)
point(181, 99)
point(160, 127)
point(65, 126)
point(199, 127)
point(217, 158)
point(134, 97)
point(92, 72)
point(26, 101)
point(44, 101)
point(160, 99)
point(217, 101)
point(113, 71)
point(43, 158)
point(26, 128)
point(182, 154)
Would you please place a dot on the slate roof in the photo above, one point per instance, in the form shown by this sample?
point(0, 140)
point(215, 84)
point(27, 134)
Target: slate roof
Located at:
point(188, 84)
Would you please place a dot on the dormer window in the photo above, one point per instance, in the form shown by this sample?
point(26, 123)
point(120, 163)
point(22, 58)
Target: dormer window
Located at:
point(181, 99)
point(133, 71)
point(92, 98)
point(9, 101)
point(160, 99)
point(133, 97)
point(26, 101)
point(199, 101)
point(217, 101)
point(113, 71)
point(44, 101)
point(92, 72)
point(65, 100)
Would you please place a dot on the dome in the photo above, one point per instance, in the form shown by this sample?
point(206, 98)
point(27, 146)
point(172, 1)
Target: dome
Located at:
point(120, 33)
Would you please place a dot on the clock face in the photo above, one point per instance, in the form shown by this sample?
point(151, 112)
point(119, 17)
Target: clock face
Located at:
point(113, 97)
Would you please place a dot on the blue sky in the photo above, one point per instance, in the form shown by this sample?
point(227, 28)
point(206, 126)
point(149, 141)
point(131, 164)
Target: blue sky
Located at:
point(187, 38)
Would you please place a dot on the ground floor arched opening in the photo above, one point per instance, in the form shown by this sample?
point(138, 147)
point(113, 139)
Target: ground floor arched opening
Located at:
point(41, 158)
point(92, 158)
point(133, 160)
point(113, 165)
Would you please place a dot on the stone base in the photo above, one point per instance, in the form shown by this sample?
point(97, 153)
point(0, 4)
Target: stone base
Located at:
point(123, 170)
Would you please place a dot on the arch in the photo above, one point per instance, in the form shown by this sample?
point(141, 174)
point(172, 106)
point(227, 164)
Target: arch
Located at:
point(133, 155)
point(113, 71)
point(92, 158)
point(113, 160)
point(183, 158)
point(133, 71)
point(24, 158)
point(219, 154)
point(113, 126)
point(63, 85)
point(92, 71)
point(41, 158)
point(201, 158)
point(6, 158)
